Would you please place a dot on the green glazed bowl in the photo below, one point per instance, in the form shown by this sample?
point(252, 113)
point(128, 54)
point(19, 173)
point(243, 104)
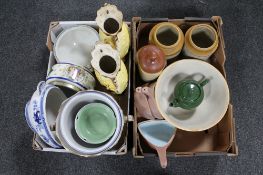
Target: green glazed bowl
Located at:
point(95, 123)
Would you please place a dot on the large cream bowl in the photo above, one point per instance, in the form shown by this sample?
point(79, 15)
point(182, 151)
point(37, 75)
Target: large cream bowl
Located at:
point(216, 95)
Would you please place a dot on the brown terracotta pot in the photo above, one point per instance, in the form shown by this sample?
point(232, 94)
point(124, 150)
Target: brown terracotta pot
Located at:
point(201, 41)
point(168, 37)
point(151, 61)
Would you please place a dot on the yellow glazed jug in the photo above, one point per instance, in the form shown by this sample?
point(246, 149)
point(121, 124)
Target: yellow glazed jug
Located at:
point(121, 41)
point(110, 70)
point(109, 19)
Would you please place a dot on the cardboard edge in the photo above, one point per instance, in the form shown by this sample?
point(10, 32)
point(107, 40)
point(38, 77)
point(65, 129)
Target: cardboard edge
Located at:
point(233, 148)
point(35, 145)
point(48, 42)
point(135, 21)
point(133, 33)
point(218, 22)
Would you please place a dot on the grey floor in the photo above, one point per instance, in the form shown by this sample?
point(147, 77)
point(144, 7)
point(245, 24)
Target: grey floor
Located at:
point(23, 63)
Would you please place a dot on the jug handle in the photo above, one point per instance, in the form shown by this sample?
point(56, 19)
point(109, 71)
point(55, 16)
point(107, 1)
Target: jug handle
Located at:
point(162, 156)
point(203, 83)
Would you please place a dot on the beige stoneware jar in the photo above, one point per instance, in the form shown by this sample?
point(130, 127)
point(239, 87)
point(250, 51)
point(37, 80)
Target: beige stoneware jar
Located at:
point(201, 41)
point(168, 37)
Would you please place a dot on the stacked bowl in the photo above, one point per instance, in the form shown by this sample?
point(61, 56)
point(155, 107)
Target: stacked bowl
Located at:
point(93, 140)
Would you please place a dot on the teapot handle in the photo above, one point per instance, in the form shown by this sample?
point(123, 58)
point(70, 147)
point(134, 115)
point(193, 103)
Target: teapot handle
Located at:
point(203, 83)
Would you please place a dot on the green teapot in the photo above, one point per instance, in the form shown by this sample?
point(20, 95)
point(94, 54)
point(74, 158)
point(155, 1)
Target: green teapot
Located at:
point(188, 94)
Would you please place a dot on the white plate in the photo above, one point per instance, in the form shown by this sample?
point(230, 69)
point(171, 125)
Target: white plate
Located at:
point(74, 45)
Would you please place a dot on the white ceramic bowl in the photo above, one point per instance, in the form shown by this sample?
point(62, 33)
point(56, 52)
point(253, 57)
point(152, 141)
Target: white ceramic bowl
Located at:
point(41, 112)
point(71, 76)
point(66, 127)
point(75, 44)
point(216, 95)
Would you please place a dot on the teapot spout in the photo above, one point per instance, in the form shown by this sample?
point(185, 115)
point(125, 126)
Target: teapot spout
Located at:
point(203, 83)
point(174, 103)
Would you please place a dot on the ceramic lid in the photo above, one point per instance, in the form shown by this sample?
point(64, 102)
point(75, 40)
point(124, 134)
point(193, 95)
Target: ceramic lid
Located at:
point(151, 59)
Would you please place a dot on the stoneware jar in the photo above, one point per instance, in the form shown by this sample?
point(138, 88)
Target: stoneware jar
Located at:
point(168, 37)
point(74, 45)
point(71, 76)
point(66, 128)
point(120, 41)
point(110, 70)
point(151, 61)
point(41, 112)
point(201, 41)
point(109, 19)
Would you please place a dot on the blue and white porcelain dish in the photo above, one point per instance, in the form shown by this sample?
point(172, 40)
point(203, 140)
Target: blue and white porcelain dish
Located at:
point(71, 76)
point(66, 127)
point(41, 112)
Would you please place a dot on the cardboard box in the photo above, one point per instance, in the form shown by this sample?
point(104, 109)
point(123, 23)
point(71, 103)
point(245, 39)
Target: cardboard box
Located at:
point(218, 140)
point(123, 100)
